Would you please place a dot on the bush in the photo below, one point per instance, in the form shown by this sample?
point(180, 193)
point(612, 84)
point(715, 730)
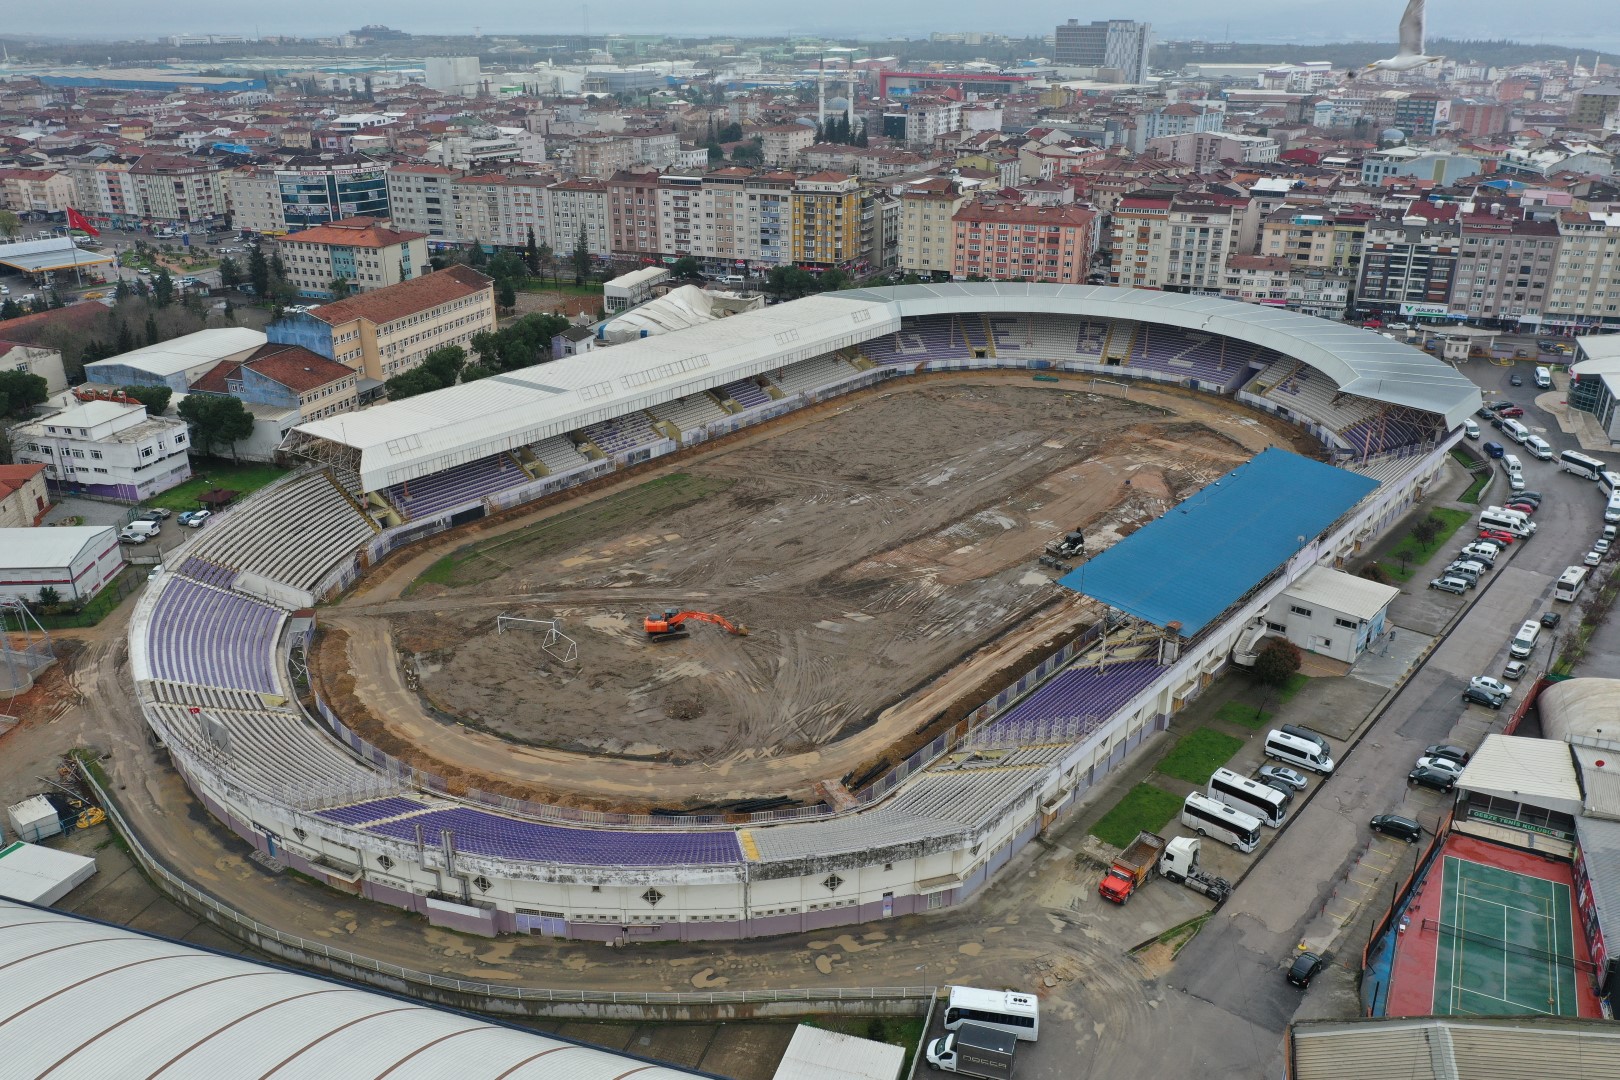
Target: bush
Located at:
point(1374, 572)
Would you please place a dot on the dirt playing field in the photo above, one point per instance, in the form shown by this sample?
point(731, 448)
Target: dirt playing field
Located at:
point(865, 550)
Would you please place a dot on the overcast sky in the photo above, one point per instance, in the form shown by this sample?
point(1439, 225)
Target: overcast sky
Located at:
point(1577, 23)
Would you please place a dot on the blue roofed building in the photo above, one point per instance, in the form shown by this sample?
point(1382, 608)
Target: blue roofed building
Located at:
point(1220, 543)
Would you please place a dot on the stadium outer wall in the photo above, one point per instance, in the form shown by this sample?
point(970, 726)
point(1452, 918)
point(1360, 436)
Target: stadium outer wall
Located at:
point(752, 899)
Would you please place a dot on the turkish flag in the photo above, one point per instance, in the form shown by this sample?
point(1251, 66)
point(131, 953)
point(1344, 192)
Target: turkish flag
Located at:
point(77, 220)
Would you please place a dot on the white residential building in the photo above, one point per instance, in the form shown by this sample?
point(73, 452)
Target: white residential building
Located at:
point(106, 449)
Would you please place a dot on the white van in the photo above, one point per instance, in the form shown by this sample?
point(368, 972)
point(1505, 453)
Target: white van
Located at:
point(1503, 512)
point(1544, 378)
point(1539, 448)
point(1515, 431)
point(1513, 465)
point(1524, 642)
point(1470, 430)
point(1297, 751)
point(1611, 513)
point(145, 528)
point(1514, 525)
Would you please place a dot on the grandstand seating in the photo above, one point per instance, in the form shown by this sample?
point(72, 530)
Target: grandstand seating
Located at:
point(745, 392)
point(375, 810)
point(1186, 354)
point(974, 331)
point(1009, 332)
point(1389, 428)
point(211, 637)
point(208, 573)
point(272, 751)
point(1310, 393)
point(1075, 692)
point(479, 833)
point(327, 527)
point(689, 413)
point(558, 454)
point(811, 374)
point(623, 433)
point(427, 495)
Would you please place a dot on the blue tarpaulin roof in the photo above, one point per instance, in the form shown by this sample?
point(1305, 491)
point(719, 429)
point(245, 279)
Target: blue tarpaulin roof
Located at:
point(1205, 554)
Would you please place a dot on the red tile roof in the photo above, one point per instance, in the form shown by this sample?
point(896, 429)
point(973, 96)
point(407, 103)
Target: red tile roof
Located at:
point(13, 477)
point(354, 232)
point(407, 298)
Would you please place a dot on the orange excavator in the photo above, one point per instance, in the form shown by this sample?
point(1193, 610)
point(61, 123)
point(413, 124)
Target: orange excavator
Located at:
point(671, 626)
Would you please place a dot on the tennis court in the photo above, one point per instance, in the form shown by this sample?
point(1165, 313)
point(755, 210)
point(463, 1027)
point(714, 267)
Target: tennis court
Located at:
point(1505, 944)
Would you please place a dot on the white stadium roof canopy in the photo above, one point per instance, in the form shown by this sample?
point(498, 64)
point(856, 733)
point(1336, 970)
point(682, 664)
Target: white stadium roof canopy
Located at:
point(400, 441)
point(86, 999)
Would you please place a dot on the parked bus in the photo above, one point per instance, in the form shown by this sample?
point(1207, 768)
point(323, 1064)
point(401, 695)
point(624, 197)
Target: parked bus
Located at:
point(1250, 796)
point(1206, 817)
point(1588, 468)
point(1608, 481)
point(1570, 582)
point(1016, 1014)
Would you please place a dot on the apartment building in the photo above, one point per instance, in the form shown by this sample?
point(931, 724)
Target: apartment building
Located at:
point(1597, 106)
point(1205, 151)
point(383, 333)
point(365, 252)
point(1505, 267)
point(500, 209)
point(307, 191)
point(1117, 45)
point(927, 118)
point(573, 208)
point(178, 191)
point(633, 214)
point(927, 243)
point(1411, 261)
point(24, 497)
point(1585, 290)
point(1316, 239)
point(106, 449)
point(421, 198)
point(1136, 241)
point(826, 222)
point(38, 191)
point(1180, 242)
point(1257, 279)
point(1007, 242)
point(783, 144)
point(729, 217)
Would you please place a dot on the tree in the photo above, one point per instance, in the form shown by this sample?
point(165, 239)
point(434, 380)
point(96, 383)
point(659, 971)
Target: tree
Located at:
point(581, 258)
point(751, 151)
point(686, 267)
point(162, 288)
point(1279, 659)
point(406, 384)
point(717, 153)
point(155, 398)
point(230, 313)
point(152, 334)
point(259, 272)
point(11, 310)
point(339, 288)
point(216, 419)
point(789, 282)
point(20, 392)
point(49, 597)
point(8, 224)
point(477, 257)
point(729, 133)
point(833, 280)
point(1426, 529)
point(230, 272)
point(446, 363)
point(531, 254)
point(126, 340)
point(505, 295)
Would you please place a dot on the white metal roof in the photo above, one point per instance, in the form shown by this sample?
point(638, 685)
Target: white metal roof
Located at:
point(48, 547)
point(1536, 771)
point(403, 440)
point(1449, 1048)
point(1600, 780)
point(1344, 593)
point(1582, 708)
point(40, 874)
point(638, 277)
point(1598, 347)
point(59, 252)
point(188, 351)
point(81, 999)
point(818, 1054)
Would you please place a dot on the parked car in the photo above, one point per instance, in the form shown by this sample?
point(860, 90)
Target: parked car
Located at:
point(1401, 828)
point(1512, 412)
point(1550, 619)
point(1493, 449)
point(1490, 685)
point(1515, 379)
point(1593, 558)
point(1484, 412)
point(1283, 775)
point(1546, 345)
point(1446, 750)
point(194, 519)
point(1437, 779)
point(1497, 535)
point(133, 538)
point(1529, 496)
point(1514, 669)
point(1451, 585)
point(1602, 546)
point(1480, 553)
point(155, 516)
point(1477, 696)
point(1498, 406)
point(1528, 509)
point(1444, 764)
point(1304, 969)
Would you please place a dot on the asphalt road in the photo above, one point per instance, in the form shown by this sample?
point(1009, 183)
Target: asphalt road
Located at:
point(1234, 968)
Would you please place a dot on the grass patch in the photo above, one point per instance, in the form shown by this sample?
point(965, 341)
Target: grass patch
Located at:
point(652, 501)
point(1463, 458)
point(1199, 753)
point(1236, 712)
point(1476, 489)
point(1296, 682)
point(1417, 554)
point(238, 478)
point(101, 605)
point(1145, 808)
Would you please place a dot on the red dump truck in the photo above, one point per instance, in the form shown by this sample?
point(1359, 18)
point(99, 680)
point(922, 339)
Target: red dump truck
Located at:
point(1135, 865)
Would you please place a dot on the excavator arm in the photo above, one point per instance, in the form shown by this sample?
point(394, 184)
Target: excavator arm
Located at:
point(671, 622)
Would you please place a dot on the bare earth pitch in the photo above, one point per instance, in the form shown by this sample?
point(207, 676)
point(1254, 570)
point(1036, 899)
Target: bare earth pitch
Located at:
point(866, 550)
